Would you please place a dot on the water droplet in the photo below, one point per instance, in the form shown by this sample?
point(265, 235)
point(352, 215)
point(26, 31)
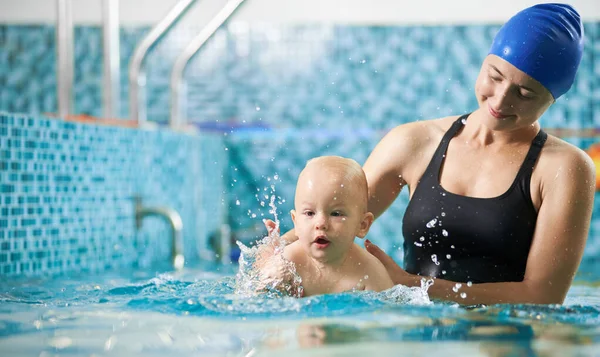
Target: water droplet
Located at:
point(237, 202)
point(452, 246)
point(443, 272)
point(443, 214)
point(257, 109)
point(434, 259)
point(469, 283)
point(366, 277)
point(431, 223)
point(444, 232)
point(463, 295)
point(448, 256)
point(417, 244)
point(422, 239)
point(456, 287)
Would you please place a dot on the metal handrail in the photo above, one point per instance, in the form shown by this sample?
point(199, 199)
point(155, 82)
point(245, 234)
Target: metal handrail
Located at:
point(137, 78)
point(173, 218)
point(177, 97)
point(112, 74)
point(64, 63)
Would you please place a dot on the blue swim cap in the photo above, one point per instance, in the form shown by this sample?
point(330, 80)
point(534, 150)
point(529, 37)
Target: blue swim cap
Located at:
point(546, 42)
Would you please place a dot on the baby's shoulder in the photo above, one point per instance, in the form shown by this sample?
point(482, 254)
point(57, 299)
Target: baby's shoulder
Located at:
point(294, 252)
point(367, 262)
point(373, 270)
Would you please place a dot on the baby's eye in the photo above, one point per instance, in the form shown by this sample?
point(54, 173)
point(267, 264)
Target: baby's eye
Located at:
point(337, 214)
point(309, 213)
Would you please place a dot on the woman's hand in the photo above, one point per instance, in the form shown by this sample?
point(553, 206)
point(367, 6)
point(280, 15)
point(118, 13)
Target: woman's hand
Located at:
point(398, 275)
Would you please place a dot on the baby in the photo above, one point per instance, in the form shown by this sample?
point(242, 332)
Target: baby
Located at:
point(330, 211)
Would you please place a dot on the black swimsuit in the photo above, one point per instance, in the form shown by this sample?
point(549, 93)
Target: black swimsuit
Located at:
point(462, 238)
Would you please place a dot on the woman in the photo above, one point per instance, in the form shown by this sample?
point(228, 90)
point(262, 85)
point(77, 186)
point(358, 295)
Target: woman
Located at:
point(499, 211)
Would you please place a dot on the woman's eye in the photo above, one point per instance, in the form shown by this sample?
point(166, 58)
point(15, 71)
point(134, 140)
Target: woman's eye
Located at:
point(495, 79)
point(523, 96)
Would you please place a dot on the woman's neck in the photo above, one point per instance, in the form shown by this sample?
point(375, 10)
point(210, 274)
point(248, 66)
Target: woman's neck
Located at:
point(478, 134)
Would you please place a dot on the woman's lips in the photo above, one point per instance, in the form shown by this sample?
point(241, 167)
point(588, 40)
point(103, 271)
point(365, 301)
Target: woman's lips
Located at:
point(496, 115)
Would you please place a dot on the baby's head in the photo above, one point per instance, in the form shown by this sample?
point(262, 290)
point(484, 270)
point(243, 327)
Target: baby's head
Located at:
point(342, 175)
point(331, 205)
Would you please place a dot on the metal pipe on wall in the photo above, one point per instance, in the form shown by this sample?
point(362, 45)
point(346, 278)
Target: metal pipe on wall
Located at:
point(112, 70)
point(64, 55)
point(178, 88)
point(137, 78)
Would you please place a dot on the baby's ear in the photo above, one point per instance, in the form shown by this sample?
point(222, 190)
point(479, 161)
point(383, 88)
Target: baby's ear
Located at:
point(365, 224)
point(293, 214)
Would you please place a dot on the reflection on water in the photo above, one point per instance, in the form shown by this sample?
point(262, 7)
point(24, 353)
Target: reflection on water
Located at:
point(198, 313)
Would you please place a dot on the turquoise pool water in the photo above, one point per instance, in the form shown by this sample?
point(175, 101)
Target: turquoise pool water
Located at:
point(196, 313)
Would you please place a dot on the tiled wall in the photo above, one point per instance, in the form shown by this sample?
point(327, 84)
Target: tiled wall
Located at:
point(66, 194)
point(289, 76)
point(284, 94)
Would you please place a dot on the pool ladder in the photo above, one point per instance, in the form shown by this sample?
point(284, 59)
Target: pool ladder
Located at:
point(173, 219)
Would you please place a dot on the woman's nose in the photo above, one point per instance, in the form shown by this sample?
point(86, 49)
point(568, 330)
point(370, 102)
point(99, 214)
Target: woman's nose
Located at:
point(502, 94)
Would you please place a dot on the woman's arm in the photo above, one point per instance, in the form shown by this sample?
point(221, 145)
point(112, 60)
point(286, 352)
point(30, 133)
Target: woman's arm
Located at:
point(558, 243)
point(389, 164)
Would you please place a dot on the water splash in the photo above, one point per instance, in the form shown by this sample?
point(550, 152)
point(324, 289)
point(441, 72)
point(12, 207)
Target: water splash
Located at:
point(416, 295)
point(278, 277)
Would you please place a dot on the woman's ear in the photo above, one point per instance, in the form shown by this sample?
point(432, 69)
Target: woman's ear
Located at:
point(365, 224)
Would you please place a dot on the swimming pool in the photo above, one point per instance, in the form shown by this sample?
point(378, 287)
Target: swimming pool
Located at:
point(195, 312)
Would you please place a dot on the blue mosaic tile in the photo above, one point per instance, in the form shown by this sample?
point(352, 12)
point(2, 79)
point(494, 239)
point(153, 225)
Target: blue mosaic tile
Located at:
point(71, 209)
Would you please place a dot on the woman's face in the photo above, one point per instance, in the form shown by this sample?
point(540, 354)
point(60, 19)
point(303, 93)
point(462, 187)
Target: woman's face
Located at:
point(509, 98)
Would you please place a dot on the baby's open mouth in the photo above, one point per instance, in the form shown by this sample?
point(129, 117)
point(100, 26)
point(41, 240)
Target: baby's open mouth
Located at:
point(321, 241)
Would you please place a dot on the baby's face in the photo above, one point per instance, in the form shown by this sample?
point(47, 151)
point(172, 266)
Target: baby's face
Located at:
point(328, 214)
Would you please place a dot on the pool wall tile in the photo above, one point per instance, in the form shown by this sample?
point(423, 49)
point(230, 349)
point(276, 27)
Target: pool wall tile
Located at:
point(70, 206)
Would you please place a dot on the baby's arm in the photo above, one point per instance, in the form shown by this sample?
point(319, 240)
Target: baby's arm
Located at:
point(277, 272)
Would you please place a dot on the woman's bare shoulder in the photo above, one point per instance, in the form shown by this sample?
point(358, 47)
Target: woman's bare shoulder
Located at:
point(423, 129)
point(562, 159)
point(557, 151)
point(410, 142)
